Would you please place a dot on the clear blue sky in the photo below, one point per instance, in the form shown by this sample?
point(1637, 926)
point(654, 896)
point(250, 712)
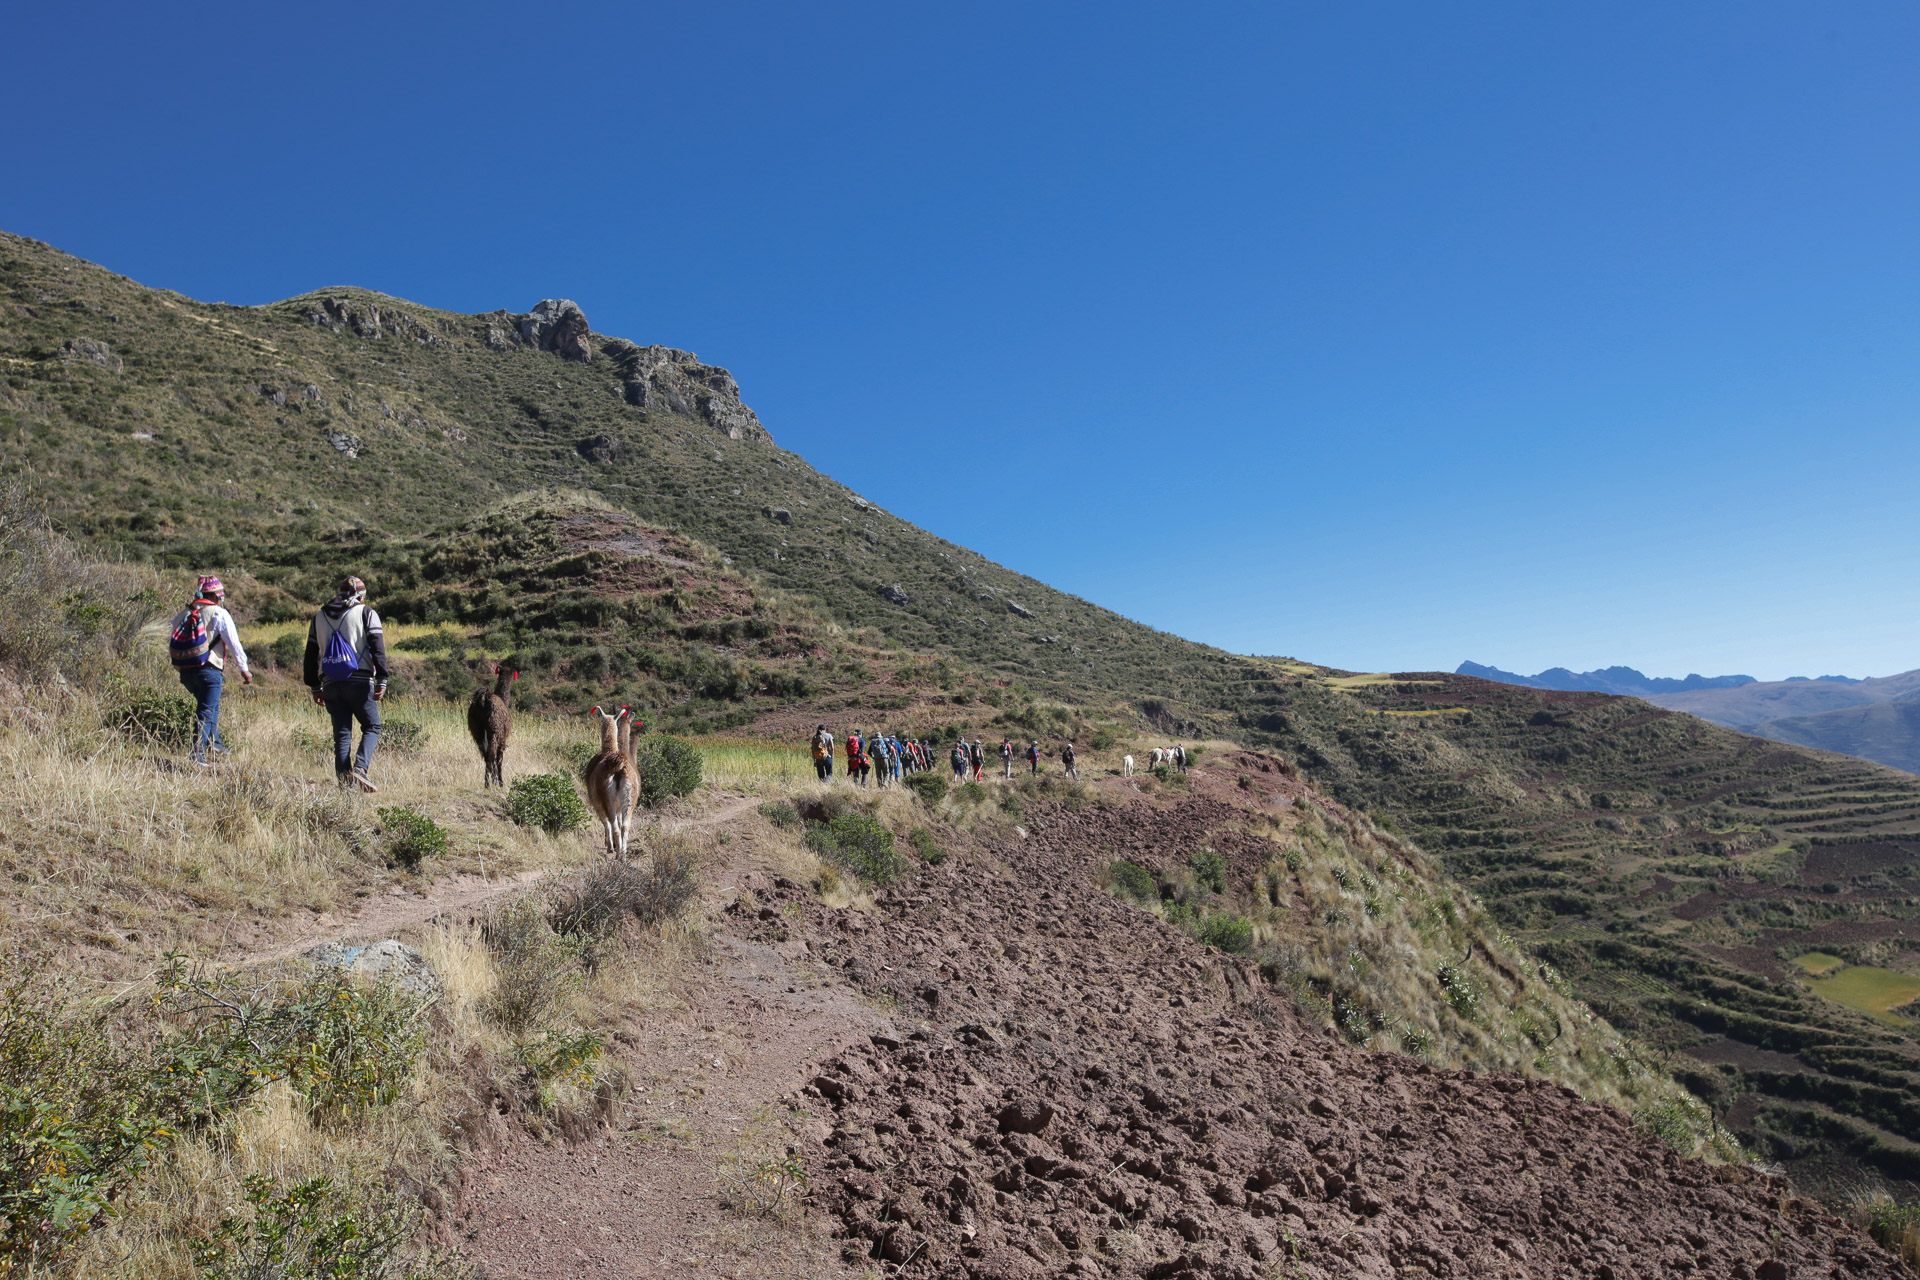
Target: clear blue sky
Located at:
point(1383, 335)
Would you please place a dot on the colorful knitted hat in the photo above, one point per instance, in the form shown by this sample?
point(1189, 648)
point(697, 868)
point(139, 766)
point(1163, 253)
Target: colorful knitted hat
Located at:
point(210, 587)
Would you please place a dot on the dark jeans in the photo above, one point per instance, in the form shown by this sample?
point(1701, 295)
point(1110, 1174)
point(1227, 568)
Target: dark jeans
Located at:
point(823, 768)
point(347, 701)
point(204, 684)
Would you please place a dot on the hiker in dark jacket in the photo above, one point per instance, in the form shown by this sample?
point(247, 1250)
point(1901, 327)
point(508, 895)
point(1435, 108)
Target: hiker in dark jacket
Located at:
point(1067, 761)
point(346, 668)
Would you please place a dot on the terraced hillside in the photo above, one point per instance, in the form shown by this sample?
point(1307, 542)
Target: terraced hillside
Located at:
point(1674, 869)
point(1671, 867)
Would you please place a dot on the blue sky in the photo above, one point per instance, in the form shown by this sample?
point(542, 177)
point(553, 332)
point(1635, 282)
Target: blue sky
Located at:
point(1384, 335)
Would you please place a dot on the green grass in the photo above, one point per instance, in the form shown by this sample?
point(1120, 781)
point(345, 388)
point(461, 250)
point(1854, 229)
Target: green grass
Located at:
point(1819, 963)
point(1871, 990)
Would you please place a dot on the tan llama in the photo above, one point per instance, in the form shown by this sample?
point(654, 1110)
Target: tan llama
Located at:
point(613, 784)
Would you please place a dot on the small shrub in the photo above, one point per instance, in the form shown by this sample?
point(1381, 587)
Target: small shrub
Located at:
point(930, 853)
point(1460, 990)
point(1226, 932)
point(1210, 869)
point(350, 1046)
point(288, 652)
point(539, 971)
point(770, 1188)
point(1294, 859)
point(412, 837)
point(781, 814)
point(929, 786)
point(312, 1231)
point(1672, 1121)
point(403, 737)
point(561, 1057)
point(668, 768)
point(970, 793)
point(859, 843)
point(547, 801)
point(152, 715)
point(612, 891)
point(1133, 880)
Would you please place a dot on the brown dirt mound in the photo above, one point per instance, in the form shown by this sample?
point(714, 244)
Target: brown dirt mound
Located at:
point(1088, 1092)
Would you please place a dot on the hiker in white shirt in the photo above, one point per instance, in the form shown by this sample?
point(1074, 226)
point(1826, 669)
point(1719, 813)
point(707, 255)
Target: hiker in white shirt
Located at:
point(204, 640)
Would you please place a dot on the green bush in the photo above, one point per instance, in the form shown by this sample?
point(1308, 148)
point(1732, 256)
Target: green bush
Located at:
point(1133, 880)
point(929, 786)
point(1227, 933)
point(288, 652)
point(81, 1113)
point(930, 853)
point(970, 792)
point(547, 801)
point(668, 768)
point(152, 715)
point(412, 837)
point(350, 1046)
point(781, 814)
point(1210, 869)
point(861, 845)
point(313, 1230)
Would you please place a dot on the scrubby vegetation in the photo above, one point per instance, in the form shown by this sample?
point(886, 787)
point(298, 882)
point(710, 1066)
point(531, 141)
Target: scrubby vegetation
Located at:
point(861, 844)
point(547, 801)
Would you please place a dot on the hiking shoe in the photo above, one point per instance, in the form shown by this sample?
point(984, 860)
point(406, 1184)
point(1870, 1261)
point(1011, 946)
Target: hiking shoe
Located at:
point(362, 781)
point(199, 762)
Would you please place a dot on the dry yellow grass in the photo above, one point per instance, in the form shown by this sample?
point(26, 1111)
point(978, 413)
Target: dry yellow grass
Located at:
point(124, 848)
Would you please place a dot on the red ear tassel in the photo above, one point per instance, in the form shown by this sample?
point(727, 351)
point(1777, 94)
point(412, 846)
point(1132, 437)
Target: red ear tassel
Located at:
point(516, 675)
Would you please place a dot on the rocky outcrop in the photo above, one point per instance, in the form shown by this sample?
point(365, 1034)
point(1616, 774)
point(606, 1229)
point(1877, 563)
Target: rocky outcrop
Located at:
point(674, 381)
point(603, 449)
point(366, 319)
point(558, 325)
point(91, 351)
point(894, 594)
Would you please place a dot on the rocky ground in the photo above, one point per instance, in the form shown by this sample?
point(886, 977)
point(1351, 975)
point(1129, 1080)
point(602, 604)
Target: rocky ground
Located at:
point(1074, 1088)
point(1002, 1071)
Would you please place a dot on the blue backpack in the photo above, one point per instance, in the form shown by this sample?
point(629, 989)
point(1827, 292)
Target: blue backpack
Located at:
point(340, 662)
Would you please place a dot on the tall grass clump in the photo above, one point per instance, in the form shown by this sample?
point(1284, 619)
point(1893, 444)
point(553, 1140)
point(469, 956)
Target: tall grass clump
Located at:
point(67, 611)
point(859, 843)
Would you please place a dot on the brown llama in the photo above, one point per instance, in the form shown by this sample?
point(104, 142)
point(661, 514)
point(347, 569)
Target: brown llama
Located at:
point(490, 721)
point(613, 784)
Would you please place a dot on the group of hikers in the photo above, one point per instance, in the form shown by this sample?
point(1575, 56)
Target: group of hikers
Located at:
point(887, 757)
point(345, 671)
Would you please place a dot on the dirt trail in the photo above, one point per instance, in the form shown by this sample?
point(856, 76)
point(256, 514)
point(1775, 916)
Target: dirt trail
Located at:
point(374, 918)
point(639, 1197)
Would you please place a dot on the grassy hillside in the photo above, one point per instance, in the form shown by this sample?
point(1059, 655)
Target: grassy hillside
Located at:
point(676, 557)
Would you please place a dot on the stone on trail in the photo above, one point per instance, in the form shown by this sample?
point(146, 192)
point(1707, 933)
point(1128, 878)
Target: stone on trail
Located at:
point(391, 961)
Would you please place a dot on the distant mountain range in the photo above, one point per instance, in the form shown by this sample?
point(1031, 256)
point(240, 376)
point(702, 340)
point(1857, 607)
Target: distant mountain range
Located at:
point(1622, 680)
point(1877, 718)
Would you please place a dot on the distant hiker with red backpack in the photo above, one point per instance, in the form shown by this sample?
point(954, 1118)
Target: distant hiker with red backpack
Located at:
point(203, 641)
point(856, 758)
point(346, 669)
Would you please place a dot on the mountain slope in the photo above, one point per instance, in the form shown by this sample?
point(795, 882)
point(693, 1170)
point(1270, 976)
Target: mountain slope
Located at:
point(1752, 706)
point(1668, 865)
point(1888, 732)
